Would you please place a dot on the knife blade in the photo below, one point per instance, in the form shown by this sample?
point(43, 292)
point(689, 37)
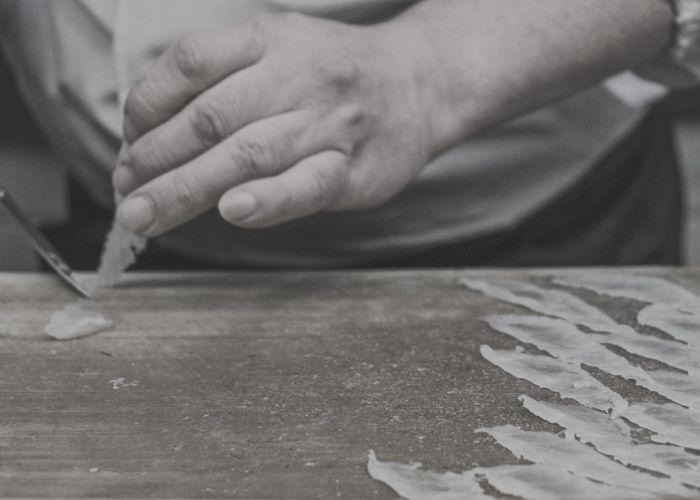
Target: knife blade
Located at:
point(40, 243)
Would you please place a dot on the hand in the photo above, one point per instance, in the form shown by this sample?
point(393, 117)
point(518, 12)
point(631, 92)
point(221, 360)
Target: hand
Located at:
point(275, 119)
point(287, 115)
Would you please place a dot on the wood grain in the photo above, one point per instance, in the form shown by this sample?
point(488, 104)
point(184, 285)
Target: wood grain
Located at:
point(252, 385)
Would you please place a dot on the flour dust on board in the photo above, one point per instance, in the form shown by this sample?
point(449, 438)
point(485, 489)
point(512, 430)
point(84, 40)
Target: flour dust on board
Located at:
point(81, 319)
point(598, 454)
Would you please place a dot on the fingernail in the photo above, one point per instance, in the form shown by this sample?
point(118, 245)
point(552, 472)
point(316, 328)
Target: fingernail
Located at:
point(135, 214)
point(239, 206)
point(124, 180)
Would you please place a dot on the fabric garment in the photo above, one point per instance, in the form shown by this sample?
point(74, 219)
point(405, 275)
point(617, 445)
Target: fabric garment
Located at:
point(681, 61)
point(76, 59)
point(625, 211)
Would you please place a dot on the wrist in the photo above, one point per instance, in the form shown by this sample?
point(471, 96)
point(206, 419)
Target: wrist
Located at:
point(411, 55)
point(450, 102)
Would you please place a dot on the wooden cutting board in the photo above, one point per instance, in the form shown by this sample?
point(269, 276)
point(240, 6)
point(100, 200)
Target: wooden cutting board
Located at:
point(262, 385)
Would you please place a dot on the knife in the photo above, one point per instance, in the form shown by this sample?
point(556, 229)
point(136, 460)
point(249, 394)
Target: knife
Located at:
point(41, 244)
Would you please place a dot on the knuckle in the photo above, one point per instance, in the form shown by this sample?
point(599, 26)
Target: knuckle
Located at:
point(320, 192)
point(355, 124)
point(257, 35)
point(352, 115)
point(138, 110)
point(148, 158)
point(130, 109)
point(185, 192)
point(134, 101)
point(344, 74)
point(189, 57)
point(340, 74)
point(250, 157)
point(208, 124)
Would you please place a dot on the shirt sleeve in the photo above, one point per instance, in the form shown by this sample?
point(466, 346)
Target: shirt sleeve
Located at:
point(679, 65)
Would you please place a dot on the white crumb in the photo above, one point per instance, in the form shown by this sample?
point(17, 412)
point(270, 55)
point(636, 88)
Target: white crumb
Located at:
point(76, 320)
point(81, 319)
point(120, 251)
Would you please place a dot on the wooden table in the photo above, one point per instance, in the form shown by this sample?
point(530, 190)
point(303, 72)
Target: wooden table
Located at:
point(252, 385)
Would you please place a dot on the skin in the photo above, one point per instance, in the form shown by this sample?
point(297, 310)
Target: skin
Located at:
point(286, 115)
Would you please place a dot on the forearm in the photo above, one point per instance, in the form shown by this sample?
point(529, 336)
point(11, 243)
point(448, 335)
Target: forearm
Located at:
point(481, 62)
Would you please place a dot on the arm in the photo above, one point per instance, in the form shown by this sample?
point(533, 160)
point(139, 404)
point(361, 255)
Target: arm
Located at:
point(288, 115)
point(494, 60)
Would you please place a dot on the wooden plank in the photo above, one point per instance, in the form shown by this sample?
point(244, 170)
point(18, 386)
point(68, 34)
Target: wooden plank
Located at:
point(251, 385)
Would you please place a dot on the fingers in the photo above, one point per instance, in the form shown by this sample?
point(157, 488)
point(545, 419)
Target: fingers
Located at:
point(189, 66)
point(309, 187)
point(262, 149)
point(203, 123)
